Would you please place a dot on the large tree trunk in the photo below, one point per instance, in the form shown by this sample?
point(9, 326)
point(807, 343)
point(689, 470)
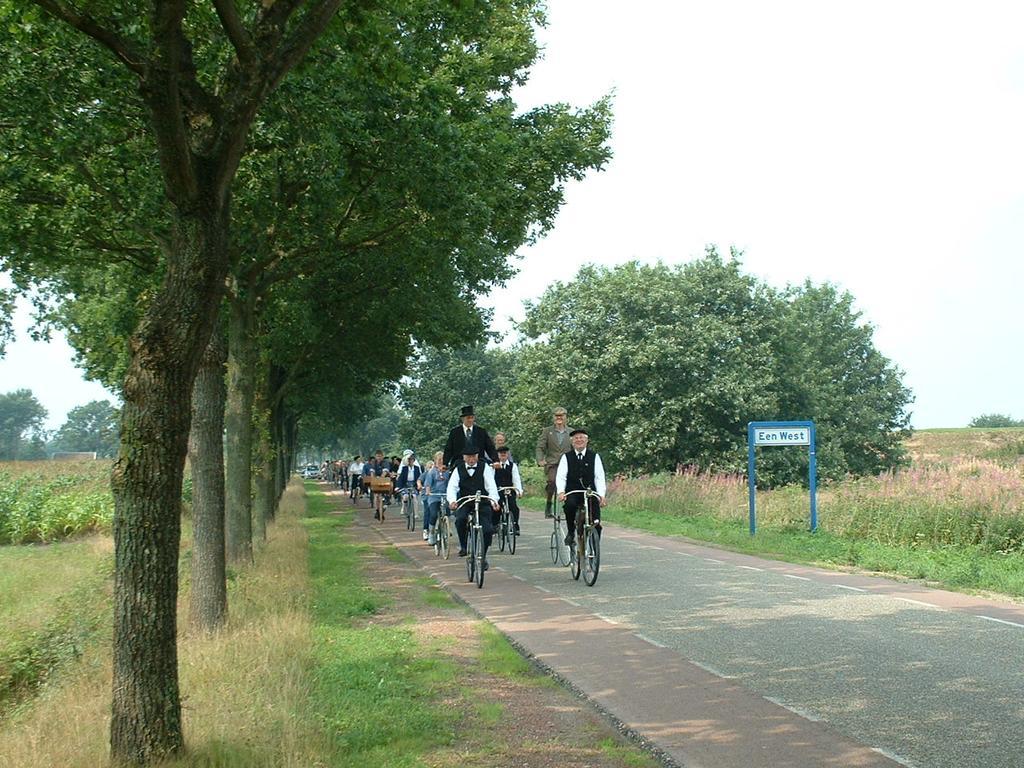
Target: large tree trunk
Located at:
point(238, 425)
point(208, 598)
point(146, 481)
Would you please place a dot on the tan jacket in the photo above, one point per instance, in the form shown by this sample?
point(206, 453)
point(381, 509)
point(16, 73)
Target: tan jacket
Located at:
point(549, 449)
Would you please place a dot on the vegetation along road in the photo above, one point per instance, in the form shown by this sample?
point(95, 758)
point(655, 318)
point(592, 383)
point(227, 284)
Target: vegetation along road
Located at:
point(921, 676)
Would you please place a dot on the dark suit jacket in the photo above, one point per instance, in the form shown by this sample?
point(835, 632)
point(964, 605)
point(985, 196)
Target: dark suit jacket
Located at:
point(457, 441)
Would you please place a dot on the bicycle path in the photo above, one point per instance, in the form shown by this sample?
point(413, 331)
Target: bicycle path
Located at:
point(696, 718)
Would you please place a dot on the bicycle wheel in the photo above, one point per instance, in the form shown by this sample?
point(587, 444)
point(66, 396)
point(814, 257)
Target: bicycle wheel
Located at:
point(471, 555)
point(564, 553)
point(592, 557)
point(554, 547)
point(512, 537)
point(575, 559)
point(479, 534)
point(444, 536)
point(407, 512)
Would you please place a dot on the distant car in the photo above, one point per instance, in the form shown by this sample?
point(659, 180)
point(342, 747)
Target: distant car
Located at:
point(310, 472)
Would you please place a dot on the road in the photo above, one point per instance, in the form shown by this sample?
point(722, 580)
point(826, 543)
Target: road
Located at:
point(921, 677)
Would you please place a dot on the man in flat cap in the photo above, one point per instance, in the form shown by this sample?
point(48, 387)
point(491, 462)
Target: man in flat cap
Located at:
point(468, 433)
point(551, 446)
point(580, 468)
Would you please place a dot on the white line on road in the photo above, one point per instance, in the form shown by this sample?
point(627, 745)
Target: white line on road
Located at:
point(543, 589)
point(795, 710)
point(712, 560)
point(1001, 621)
point(572, 602)
point(894, 757)
point(917, 602)
point(602, 616)
point(712, 670)
point(750, 568)
point(646, 639)
point(799, 578)
point(852, 589)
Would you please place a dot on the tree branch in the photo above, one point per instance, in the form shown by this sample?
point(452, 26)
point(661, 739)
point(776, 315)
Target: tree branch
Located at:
point(239, 36)
point(83, 22)
point(297, 44)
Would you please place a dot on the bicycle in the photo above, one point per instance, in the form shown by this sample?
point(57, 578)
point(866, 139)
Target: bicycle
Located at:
point(507, 534)
point(474, 541)
point(443, 528)
point(588, 541)
point(380, 495)
point(409, 508)
point(559, 549)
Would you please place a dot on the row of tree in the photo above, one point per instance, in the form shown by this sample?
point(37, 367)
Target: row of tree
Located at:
point(666, 366)
point(247, 214)
point(91, 428)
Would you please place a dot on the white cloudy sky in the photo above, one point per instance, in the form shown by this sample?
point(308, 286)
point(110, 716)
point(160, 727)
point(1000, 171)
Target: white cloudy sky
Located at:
point(875, 145)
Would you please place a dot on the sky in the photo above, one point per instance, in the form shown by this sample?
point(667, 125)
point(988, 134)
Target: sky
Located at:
point(873, 145)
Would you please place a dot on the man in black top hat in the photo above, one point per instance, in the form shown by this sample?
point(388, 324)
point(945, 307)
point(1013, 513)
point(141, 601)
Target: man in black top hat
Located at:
point(469, 433)
point(579, 469)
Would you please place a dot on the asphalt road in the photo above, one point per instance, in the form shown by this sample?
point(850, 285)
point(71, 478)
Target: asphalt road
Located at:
point(927, 678)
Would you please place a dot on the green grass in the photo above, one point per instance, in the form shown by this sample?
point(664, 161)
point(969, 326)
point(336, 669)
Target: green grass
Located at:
point(53, 600)
point(499, 657)
point(376, 692)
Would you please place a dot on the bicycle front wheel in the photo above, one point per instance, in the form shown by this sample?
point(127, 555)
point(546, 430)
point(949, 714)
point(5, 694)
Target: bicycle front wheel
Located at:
point(512, 536)
point(471, 555)
point(592, 557)
point(576, 557)
point(479, 558)
point(444, 537)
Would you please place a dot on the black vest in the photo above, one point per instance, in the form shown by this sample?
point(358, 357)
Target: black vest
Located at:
point(469, 485)
point(581, 473)
point(503, 477)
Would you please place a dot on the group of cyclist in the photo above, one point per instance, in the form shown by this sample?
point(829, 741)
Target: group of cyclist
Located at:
point(472, 462)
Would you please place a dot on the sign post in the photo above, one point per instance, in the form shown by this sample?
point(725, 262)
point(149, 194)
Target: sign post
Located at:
point(764, 433)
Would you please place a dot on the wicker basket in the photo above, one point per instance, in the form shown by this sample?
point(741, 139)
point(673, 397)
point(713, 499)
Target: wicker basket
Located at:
point(380, 484)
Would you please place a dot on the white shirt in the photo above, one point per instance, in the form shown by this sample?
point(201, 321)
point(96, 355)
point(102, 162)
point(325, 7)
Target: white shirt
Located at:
point(517, 480)
point(562, 474)
point(355, 468)
point(489, 485)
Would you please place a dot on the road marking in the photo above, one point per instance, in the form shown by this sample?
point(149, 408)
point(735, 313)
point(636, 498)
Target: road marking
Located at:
point(894, 757)
point(517, 578)
point(602, 616)
point(646, 639)
point(572, 602)
point(852, 589)
point(1002, 621)
point(712, 560)
point(795, 710)
point(544, 589)
point(792, 576)
point(750, 568)
point(917, 602)
point(712, 670)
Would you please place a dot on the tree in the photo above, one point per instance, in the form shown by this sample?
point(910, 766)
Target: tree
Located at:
point(21, 419)
point(182, 88)
point(995, 421)
point(440, 382)
point(663, 365)
point(666, 366)
point(90, 427)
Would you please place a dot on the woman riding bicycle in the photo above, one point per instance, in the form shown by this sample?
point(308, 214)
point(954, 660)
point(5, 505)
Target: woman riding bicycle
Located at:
point(434, 483)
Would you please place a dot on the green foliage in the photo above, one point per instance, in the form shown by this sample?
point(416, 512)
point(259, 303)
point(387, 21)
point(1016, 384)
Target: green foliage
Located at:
point(440, 382)
point(21, 415)
point(667, 365)
point(40, 508)
point(995, 420)
point(91, 427)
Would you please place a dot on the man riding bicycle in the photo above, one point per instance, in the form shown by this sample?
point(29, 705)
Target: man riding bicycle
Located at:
point(506, 475)
point(579, 469)
point(468, 477)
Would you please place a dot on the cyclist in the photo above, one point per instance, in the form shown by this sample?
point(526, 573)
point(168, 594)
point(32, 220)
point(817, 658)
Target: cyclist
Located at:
point(468, 432)
point(409, 478)
point(435, 484)
point(579, 468)
point(469, 476)
point(506, 474)
point(551, 445)
point(378, 467)
point(355, 478)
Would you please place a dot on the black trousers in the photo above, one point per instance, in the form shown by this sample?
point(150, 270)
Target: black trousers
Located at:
point(486, 523)
point(574, 503)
